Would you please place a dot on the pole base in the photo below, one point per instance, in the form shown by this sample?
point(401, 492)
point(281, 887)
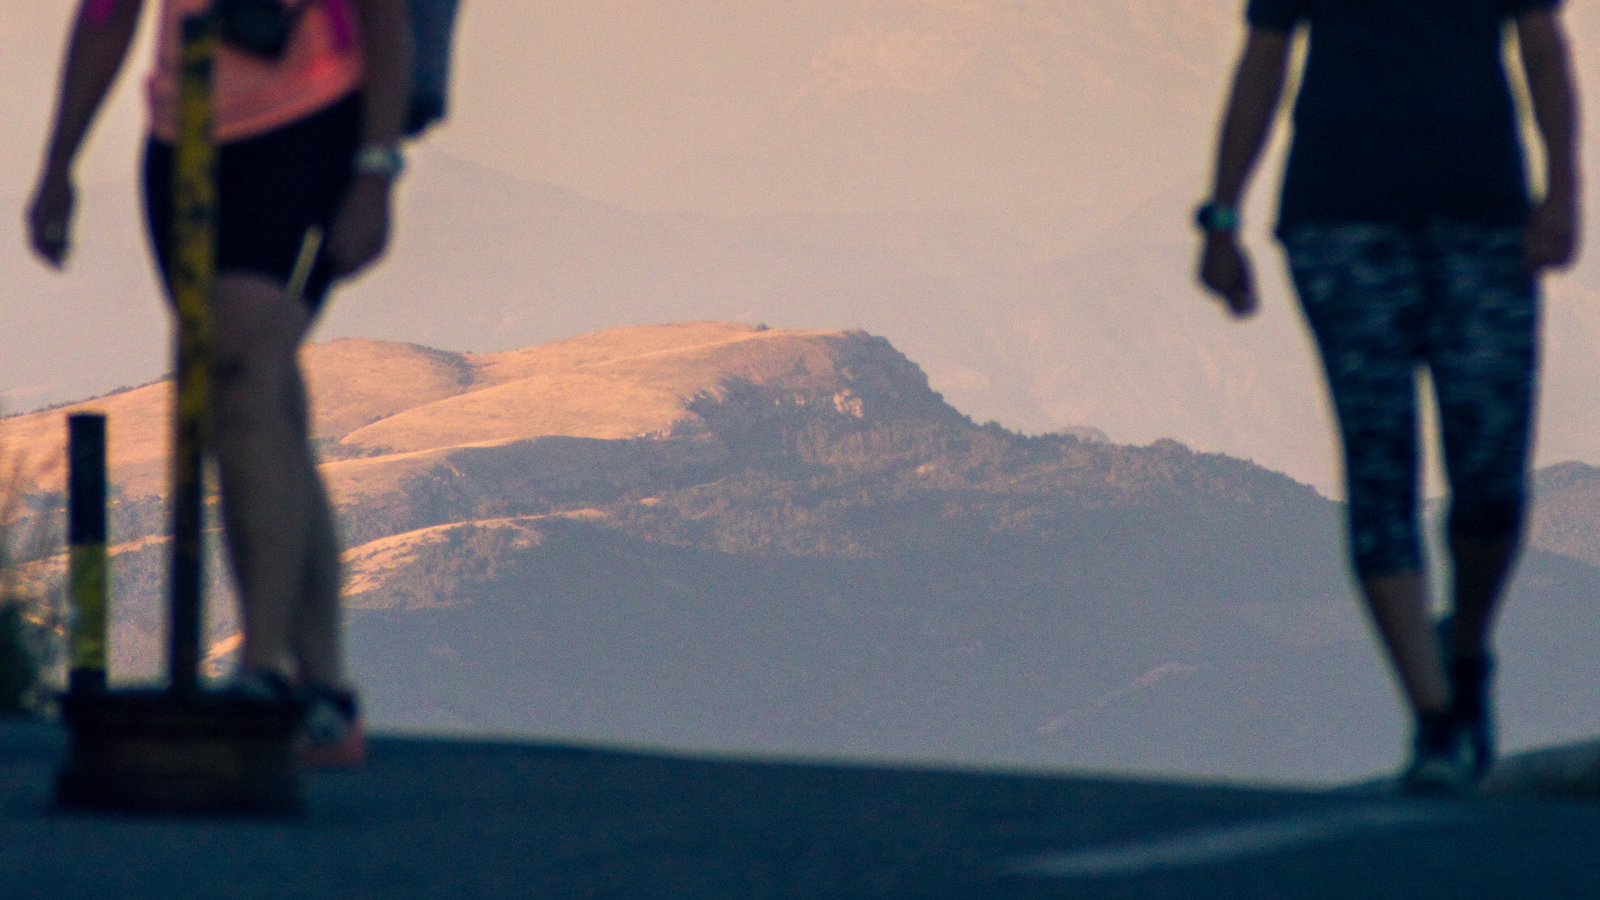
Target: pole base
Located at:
point(153, 751)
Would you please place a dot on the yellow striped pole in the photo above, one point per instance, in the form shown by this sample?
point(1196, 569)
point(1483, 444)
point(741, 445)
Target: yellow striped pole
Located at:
point(86, 536)
point(193, 268)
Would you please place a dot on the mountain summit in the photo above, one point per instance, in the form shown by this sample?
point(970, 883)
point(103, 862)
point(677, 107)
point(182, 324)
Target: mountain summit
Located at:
point(391, 405)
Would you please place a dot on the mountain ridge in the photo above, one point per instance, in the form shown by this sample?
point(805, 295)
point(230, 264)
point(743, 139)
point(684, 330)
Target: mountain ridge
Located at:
point(806, 549)
point(415, 439)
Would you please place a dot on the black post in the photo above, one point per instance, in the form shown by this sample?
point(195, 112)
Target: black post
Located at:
point(193, 266)
point(86, 537)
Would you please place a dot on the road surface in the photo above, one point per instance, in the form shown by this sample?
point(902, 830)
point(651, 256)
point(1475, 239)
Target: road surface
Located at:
point(461, 819)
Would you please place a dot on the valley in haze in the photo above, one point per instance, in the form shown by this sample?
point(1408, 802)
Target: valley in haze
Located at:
point(720, 536)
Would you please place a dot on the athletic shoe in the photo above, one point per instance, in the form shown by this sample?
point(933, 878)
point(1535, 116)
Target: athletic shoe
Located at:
point(262, 686)
point(1469, 698)
point(332, 736)
point(1442, 760)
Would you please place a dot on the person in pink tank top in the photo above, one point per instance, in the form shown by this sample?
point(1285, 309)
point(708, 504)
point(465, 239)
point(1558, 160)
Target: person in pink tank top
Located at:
point(309, 135)
point(254, 95)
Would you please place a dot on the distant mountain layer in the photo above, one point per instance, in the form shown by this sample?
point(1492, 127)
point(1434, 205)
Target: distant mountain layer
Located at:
point(719, 535)
point(1567, 511)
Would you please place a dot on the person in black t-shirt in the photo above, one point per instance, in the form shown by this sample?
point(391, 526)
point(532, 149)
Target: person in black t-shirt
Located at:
point(1412, 241)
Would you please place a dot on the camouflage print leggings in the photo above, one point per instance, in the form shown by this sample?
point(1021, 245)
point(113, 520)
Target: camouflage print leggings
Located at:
point(1384, 300)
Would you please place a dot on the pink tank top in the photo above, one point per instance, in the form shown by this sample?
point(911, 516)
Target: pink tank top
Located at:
point(252, 96)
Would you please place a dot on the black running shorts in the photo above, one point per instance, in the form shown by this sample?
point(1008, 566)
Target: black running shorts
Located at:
point(271, 190)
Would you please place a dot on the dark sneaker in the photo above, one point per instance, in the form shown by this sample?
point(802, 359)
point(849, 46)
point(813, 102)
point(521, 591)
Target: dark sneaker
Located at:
point(1469, 698)
point(262, 686)
point(1442, 761)
point(332, 736)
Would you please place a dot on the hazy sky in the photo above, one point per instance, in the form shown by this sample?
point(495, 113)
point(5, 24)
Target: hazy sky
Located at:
point(1073, 135)
point(728, 106)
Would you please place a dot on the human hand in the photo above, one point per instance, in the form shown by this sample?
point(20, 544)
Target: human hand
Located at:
point(1225, 272)
point(1551, 240)
point(50, 217)
point(360, 230)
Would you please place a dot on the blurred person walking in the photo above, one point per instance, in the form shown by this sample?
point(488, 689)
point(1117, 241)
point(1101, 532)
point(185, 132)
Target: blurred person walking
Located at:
point(309, 103)
point(1412, 242)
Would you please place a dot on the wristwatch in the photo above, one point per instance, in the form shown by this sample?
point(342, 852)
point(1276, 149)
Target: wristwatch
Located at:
point(1216, 217)
point(384, 160)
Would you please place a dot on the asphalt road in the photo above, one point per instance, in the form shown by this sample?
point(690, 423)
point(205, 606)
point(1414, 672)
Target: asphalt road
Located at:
point(457, 819)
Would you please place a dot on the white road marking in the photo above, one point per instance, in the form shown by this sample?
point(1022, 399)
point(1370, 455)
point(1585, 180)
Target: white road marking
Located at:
point(1225, 843)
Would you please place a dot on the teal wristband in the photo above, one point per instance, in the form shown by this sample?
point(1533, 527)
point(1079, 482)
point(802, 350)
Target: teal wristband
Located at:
point(1216, 217)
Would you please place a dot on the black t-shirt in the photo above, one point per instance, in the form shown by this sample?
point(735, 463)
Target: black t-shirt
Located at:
point(1404, 112)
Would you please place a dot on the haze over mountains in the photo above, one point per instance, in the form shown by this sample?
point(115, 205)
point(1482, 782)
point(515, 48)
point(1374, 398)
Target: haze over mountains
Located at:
point(718, 536)
point(1000, 187)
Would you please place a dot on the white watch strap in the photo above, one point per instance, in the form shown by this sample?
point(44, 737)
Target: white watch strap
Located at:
point(385, 160)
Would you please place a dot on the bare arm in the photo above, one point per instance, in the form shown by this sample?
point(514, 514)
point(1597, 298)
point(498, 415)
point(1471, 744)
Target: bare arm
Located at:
point(360, 231)
point(1252, 106)
point(1553, 229)
point(386, 31)
point(98, 46)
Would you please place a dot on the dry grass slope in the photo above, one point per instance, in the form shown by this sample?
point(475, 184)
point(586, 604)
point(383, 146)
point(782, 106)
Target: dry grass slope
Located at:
point(415, 438)
point(379, 404)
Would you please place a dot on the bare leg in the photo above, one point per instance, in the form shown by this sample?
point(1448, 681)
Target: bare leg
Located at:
point(1399, 605)
point(316, 631)
point(1481, 569)
point(271, 495)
